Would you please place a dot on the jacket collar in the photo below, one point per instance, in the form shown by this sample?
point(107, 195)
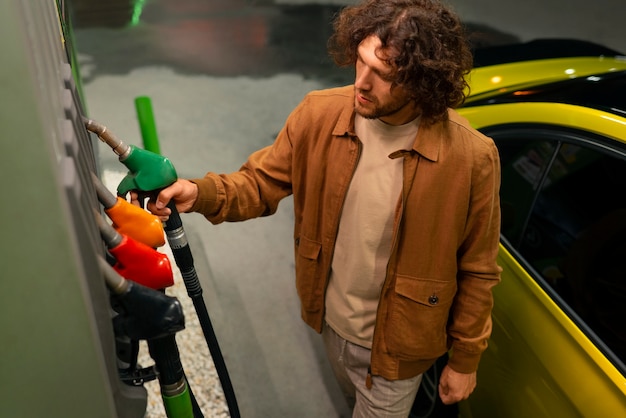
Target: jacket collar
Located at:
point(345, 122)
point(429, 139)
point(427, 142)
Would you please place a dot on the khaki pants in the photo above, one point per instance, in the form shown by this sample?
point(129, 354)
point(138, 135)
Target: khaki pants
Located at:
point(386, 398)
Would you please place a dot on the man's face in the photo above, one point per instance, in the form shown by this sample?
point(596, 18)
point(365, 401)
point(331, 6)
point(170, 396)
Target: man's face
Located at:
point(374, 97)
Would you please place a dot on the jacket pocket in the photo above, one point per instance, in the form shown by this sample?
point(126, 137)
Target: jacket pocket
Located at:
point(417, 317)
point(307, 273)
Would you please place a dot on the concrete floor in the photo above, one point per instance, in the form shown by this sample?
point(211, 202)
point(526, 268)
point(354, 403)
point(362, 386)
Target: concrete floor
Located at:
point(223, 76)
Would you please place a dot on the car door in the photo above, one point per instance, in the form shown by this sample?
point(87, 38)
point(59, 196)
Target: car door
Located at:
point(558, 343)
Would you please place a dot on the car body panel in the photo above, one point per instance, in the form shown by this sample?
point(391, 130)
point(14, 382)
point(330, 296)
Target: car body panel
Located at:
point(557, 114)
point(498, 79)
point(546, 377)
point(540, 363)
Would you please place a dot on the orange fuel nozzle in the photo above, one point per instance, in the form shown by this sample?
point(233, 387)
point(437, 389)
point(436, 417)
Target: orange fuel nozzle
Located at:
point(137, 223)
point(129, 219)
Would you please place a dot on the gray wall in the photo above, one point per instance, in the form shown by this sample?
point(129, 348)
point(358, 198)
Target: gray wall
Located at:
point(601, 21)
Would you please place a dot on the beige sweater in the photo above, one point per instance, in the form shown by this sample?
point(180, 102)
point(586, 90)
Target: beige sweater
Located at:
point(365, 230)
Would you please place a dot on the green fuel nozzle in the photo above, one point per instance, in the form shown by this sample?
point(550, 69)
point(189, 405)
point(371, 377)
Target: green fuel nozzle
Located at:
point(147, 171)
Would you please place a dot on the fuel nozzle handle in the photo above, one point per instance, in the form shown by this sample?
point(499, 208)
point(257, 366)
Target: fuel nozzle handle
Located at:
point(144, 313)
point(147, 171)
point(129, 219)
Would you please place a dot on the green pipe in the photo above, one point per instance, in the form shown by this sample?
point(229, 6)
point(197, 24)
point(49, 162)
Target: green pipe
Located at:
point(143, 105)
point(179, 405)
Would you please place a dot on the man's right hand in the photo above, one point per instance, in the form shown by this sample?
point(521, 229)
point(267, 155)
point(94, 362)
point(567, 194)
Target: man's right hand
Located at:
point(183, 192)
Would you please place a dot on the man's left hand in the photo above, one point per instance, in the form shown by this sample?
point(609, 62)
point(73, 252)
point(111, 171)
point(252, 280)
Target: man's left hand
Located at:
point(454, 386)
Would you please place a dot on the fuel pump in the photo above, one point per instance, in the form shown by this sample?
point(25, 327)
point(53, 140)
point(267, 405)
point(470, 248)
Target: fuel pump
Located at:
point(148, 174)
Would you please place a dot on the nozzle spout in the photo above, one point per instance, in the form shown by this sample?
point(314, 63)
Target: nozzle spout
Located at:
point(116, 283)
point(105, 197)
point(107, 137)
point(109, 235)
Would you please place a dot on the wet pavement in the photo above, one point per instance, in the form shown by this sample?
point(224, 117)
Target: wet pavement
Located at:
point(227, 38)
point(219, 38)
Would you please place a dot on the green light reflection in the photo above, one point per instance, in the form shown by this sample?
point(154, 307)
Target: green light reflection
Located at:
point(137, 10)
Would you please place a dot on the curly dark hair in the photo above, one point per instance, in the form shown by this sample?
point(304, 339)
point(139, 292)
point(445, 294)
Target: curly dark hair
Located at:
point(424, 41)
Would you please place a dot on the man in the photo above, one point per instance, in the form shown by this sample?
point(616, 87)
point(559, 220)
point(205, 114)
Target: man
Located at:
point(396, 206)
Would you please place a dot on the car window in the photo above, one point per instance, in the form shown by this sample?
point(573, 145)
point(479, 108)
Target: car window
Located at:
point(524, 163)
point(564, 211)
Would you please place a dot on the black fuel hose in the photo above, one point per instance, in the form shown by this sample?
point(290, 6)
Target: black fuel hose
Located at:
point(184, 260)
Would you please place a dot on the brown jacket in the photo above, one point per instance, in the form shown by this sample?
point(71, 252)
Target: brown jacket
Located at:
point(437, 293)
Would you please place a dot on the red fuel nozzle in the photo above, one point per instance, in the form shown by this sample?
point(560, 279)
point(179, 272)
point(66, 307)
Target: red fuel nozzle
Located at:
point(136, 261)
point(142, 264)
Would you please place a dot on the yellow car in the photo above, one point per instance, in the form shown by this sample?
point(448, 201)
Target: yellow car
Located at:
point(558, 345)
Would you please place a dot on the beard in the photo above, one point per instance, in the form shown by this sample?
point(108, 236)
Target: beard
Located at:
point(375, 110)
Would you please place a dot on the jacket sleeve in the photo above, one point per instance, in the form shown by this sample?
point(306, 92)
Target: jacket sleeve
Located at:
point(470, 317)
point(255, 190)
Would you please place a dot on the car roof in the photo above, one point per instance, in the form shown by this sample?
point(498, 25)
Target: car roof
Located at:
point(595, 82)
point(497, 79)
point(539, 49)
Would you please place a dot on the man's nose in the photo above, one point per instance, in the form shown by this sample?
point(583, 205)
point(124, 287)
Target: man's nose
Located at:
point(362, 79)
